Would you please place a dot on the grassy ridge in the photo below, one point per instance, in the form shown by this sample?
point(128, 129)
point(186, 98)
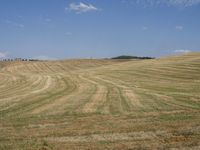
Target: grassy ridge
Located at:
point(101, 104)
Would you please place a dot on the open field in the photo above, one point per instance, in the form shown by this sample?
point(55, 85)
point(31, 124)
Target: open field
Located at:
point(101, 104)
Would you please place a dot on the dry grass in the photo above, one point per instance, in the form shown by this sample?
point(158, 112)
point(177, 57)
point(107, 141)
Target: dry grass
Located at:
point(101, 104)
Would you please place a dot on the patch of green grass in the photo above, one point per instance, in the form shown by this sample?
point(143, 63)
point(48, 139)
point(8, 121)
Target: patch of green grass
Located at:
point(176, 117)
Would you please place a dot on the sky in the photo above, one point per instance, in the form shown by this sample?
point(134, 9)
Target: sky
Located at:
point(59, 29)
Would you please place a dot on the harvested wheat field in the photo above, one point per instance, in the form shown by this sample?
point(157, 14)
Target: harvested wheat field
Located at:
point(101, 104)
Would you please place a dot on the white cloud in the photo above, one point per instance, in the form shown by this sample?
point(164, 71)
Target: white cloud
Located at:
point(3, 55)
point(177, 3)
point(81, 7)
point(179, 28)
point(182, 51)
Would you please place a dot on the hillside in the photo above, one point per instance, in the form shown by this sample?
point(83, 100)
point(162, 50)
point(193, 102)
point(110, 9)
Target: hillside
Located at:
point(101, 104)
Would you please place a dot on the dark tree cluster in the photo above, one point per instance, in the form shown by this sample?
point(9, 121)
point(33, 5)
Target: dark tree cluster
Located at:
point(131, 57)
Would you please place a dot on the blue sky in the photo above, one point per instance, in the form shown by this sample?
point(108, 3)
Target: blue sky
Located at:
point(98, 28)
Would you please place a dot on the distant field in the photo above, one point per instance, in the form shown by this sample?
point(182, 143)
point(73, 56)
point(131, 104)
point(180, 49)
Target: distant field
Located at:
point(101, 104)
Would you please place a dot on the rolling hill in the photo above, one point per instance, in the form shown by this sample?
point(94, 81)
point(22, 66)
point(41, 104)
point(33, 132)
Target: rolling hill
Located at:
point(101, 104)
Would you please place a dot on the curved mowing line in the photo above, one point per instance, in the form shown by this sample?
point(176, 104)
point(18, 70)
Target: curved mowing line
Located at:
point(98, 98)
point(98, 86)
point(35, 102)
point(70, 88)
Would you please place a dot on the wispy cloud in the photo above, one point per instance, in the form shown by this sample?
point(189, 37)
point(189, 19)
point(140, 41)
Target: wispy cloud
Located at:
point(144, 28)
point(183, 3)
point(3, 55)
point(19, 16)
point(180, 28)
point(43, 57)
point(177, 3)
point(47, 20)
point(81, 7)
point(184, 51)
point(19, 25)
point(68, 33)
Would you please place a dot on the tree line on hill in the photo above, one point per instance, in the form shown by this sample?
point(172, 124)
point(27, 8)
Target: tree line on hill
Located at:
point(18, 59)
point(131, 57)
point(118, 57)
